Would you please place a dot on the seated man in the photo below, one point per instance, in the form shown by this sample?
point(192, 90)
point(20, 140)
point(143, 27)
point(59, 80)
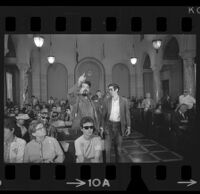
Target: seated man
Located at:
point(88, 146)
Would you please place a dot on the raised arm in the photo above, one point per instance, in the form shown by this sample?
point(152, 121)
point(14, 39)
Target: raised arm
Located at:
point(75, 88)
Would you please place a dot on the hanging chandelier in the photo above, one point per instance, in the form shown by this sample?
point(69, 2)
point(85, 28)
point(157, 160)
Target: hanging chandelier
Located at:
point(133, 59)
point(39, 41)
point(157, 44)
point(51, 58)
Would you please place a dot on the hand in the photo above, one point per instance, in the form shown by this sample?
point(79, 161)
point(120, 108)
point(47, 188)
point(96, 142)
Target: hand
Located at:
point(47, 161)
point(128, 131)
point(101, 131)
point(82, 78)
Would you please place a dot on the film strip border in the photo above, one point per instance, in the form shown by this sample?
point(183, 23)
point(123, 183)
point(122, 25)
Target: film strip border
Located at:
point(110, 24)
point(96, 20)
point(85, 172)
point(100, 177)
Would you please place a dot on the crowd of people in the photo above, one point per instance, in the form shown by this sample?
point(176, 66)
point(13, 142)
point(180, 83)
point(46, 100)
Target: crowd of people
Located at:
point(171, 123)
point(84, 128)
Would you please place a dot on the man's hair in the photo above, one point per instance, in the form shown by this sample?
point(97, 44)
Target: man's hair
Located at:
point(9, 123)
point(98, 91)
point(181, 105)
point(86, 82)
point(33, 125)
point(115, 86)
point(86, 120)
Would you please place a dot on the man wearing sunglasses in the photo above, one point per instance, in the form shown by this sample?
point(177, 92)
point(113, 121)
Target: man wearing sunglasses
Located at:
point(88, 146)
point(115, 122)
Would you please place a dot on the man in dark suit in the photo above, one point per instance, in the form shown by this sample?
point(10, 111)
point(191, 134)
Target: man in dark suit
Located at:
point(115, 122)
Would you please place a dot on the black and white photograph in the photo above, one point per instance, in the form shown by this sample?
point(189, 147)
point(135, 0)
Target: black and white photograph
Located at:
point(99, 98)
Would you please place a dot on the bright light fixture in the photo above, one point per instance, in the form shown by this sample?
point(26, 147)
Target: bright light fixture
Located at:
point(157, 44)
point(51, 59)
point(39, 41)
point(133, 60)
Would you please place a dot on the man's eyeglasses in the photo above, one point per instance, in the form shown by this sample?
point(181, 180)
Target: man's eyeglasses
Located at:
point(89, 127)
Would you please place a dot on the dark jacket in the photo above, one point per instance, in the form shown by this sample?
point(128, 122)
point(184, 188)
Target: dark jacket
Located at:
point(124, 113)
point(178, 126)
point(77, 114)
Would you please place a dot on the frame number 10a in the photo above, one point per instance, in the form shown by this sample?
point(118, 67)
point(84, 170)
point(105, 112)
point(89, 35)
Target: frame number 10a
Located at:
point(91, 183)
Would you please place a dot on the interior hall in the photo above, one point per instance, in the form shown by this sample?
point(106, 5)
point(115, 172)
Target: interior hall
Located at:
point(156, 75)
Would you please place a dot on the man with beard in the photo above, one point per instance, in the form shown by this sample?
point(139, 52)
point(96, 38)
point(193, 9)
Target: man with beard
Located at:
point(83, 106)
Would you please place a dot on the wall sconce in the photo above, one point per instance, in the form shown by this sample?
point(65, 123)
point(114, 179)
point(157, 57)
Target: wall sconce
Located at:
point(39, 41)
point(133, 60)
point(50, 58)
point(157, 44)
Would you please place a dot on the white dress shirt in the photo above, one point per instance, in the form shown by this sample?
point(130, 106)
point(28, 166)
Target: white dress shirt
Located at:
point(189, 100)
point(115, 111)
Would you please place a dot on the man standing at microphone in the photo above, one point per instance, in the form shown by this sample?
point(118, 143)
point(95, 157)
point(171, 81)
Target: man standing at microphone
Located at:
point(83, 106)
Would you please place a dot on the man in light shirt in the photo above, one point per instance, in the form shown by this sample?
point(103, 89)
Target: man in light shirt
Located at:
point(88, 146)
point(186, 98)
point(115, 122)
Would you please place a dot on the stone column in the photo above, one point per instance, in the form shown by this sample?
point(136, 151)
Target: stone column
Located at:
point(6, 44)
point(132, 84)
point(189, 75)
point(157, 83)
point(139, 81)
point(24, 73)
point(35, 73)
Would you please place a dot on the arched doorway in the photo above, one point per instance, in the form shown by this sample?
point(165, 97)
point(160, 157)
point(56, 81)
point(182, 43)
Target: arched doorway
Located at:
point(148, 77)
point(94, 72)
point(172, 70)
point(11, 83)
point(11, 75)
point(57, 81)
point(121, 76)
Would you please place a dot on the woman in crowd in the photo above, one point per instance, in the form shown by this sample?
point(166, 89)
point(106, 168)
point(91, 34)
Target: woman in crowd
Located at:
point(20, 123)
point(13, 146)
point(42, 148)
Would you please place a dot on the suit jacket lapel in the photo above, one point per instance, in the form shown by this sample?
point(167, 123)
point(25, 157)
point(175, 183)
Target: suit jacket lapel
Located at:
point(120, 106)
point(109, 106)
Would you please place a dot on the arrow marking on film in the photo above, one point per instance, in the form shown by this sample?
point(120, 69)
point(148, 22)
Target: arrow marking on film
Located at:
point(78, 183)
point(191, 182)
